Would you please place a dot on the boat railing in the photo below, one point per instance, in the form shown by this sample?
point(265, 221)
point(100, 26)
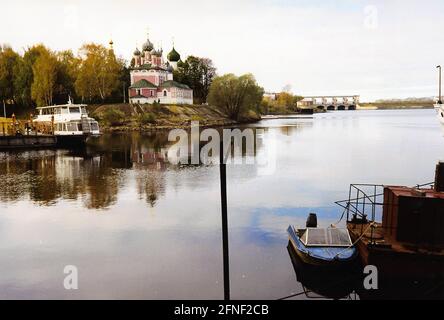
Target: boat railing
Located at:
point(366, 201)
point(13, 126)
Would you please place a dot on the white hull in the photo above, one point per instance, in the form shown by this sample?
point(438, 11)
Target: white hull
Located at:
point(440, 113)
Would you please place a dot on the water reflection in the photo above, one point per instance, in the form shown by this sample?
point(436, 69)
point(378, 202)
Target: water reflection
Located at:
point(322, 282)
point(95, 174)
point(160, 216)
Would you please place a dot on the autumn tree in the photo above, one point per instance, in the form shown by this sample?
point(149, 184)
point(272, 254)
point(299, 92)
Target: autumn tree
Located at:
point(67, 70)
point(8, 62)
point(99, 73)
point(198, 74)
point(45, 75)
point(235, 95)
point(24, 76)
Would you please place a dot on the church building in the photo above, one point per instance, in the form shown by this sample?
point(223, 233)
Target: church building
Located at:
point(152, 78)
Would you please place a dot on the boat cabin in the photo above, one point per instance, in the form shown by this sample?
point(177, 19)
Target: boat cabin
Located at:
point(62, 109)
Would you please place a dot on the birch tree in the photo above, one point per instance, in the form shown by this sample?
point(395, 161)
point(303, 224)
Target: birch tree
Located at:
point(99, 73)
point(45, 75)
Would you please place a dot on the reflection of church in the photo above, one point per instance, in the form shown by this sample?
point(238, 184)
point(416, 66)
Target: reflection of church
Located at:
point(152, 77)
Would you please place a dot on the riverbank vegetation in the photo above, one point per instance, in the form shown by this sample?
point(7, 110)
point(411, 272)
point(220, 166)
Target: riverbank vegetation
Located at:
point(284, 103)
point(128, 117)
point(409, 103)
point(236, 96)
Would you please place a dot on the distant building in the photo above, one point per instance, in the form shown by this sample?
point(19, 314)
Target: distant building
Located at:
point(305, 103)
point(152, 78)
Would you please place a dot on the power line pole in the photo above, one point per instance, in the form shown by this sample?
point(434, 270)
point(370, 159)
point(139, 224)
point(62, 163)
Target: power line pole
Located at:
point(124, 93)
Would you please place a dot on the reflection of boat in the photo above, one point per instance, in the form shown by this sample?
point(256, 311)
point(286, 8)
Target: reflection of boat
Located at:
point(322, 246)
point(320, 283)
point(70, 122)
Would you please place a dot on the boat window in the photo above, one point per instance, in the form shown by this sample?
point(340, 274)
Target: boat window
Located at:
point(74, 110)
point(327, 237)
point(83, 110)
point(72, 126)
point(79, 127)
point(64, 110)
point(94, 126)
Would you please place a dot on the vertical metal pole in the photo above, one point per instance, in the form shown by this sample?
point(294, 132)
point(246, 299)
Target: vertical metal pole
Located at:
point(4, 109)
point(439, 97)
point(124, 93)
point(223, 194)
point(349, 202)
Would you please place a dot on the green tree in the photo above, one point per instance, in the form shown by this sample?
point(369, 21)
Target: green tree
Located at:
point(124, 82)
point(99, 73)
point(198, 74)
point(24, 76)
point(45, 76)
point(235, 95)
point(8, 62)
point(67, 71)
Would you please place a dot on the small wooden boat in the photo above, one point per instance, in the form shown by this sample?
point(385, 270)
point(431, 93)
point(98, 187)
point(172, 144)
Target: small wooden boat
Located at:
point(322, 246)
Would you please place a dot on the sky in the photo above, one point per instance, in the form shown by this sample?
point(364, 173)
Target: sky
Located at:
point(377, 49)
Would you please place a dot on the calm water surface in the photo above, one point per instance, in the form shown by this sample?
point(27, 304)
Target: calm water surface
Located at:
point(137, 226)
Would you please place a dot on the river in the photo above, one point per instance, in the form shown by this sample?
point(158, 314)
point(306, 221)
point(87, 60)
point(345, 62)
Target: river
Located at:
point(136, 226)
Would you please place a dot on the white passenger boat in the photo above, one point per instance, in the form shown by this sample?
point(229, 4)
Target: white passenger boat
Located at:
point(439, 107)
point(71, 123)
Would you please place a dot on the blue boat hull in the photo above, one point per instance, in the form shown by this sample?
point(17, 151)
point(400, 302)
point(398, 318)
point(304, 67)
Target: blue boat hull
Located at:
point(321, 256)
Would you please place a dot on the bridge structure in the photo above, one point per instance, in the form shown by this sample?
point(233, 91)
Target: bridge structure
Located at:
point(350, 102)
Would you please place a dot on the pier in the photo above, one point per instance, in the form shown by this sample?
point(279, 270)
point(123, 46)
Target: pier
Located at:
point(16, 133)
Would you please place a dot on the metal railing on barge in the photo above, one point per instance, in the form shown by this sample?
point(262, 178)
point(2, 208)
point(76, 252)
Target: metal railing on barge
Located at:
point(365, 204)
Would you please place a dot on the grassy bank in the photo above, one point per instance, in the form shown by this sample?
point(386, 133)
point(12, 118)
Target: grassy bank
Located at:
point(128, 117)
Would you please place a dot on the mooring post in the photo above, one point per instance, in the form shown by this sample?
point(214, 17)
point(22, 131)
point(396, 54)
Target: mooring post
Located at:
point(223, 195)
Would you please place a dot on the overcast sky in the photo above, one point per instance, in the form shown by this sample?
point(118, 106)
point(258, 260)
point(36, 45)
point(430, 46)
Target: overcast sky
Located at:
point(378, 49)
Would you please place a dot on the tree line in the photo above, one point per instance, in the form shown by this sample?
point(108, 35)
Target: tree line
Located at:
point(43, 77)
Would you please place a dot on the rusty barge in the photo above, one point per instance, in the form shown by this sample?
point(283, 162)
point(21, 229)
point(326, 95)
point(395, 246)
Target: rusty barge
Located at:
point(399, 229)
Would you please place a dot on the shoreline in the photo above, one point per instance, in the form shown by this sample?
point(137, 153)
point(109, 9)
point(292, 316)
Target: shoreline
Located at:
point(168, 117)
point(395, 106)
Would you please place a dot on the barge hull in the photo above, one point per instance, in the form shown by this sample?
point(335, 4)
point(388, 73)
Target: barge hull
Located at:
point(27, 141)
